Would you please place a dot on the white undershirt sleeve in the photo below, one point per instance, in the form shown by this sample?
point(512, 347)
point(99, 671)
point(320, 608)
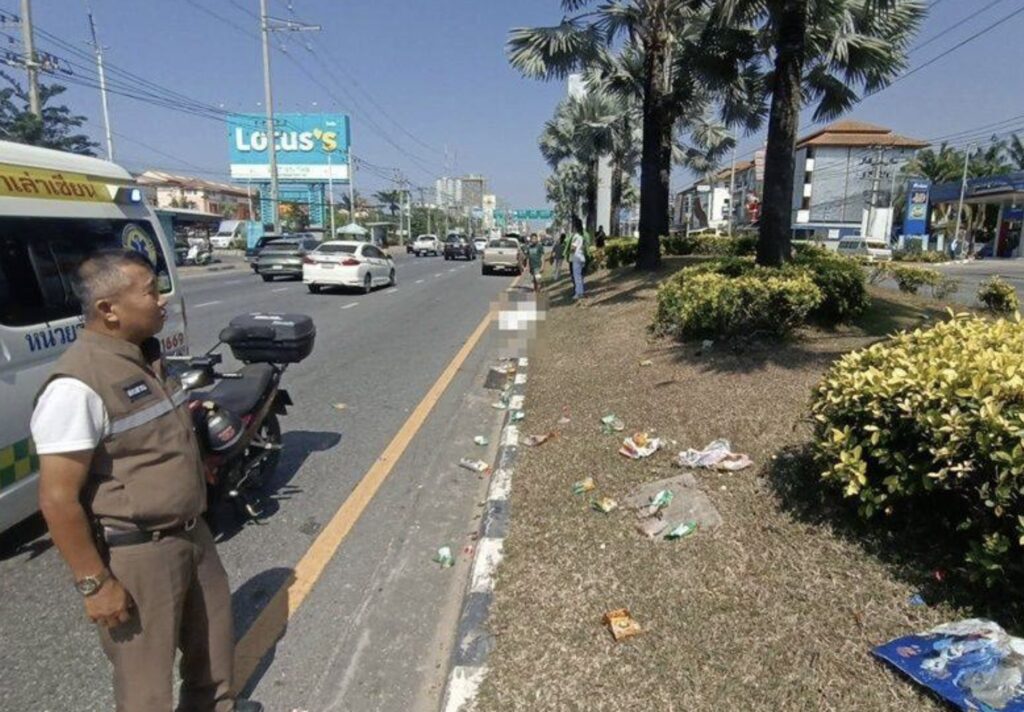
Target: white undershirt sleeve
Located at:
point(69, 417)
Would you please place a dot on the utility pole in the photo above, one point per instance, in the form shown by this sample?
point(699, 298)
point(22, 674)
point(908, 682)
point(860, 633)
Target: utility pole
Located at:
point(960, 205)
point(35, 106)
point(268, 25)
point(330, 193)
point(351, 188)
point(268, 97)
point(98, 48)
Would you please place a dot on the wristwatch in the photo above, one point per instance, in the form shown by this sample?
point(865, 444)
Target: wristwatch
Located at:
point(90, 585)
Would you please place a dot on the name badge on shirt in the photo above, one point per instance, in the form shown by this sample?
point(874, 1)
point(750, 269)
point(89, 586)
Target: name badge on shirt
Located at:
point(136, 391)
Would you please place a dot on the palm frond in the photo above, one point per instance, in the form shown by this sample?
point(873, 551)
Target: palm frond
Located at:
point(553, 52)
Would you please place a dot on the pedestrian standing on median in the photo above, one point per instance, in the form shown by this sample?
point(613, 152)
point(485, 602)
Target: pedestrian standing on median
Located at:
point(558, 256)
point(535, 254)
point(122, 488)
point(577, 258)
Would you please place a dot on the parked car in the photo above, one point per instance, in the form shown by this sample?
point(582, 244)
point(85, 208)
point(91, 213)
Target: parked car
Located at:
point(347, 263)
point(283, 258)
point(457, 246)
point(502, 254)
point(252, 252)
point(425, 244)
point(864, 247)
point(479, 244)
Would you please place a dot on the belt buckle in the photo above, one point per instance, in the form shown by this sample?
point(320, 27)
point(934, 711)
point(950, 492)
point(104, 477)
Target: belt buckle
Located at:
point(191, 524)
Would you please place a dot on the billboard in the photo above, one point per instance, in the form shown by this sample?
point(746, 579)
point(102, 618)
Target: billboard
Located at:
point(915, 221)
point(310, 147)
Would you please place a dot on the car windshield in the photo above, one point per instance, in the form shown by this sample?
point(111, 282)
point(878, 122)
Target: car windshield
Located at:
point(337, 249)
point(878, 246)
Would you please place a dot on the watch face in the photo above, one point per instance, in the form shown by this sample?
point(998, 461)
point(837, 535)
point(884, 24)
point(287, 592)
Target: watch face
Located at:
point(87, 586)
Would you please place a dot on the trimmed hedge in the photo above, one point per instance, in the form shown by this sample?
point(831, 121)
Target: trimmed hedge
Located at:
point(620, 252)
point(934, 421)
point(710, 304)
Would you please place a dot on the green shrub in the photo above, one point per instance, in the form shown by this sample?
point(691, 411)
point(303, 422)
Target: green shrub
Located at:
point(998, 296)
point(710, 245)
point(620, 252)
point(704, 303)
point(919, 255)
point(910, 279)
point(934, 421)
point(840, 279)
point(842, 284)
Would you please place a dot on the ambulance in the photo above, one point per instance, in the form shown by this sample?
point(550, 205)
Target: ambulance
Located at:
point(55, 209)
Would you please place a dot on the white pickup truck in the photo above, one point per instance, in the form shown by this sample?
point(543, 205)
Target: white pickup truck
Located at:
point(503, 253)
point(426, 243)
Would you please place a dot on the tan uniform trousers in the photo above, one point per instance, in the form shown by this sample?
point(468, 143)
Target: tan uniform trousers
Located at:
point(182, 602)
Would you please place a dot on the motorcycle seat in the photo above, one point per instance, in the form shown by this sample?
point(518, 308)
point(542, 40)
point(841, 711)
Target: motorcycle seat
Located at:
point(240, 395)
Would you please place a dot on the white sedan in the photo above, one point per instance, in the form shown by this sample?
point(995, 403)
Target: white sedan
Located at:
point(347, 263)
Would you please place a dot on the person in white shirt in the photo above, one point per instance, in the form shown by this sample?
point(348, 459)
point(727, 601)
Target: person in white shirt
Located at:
point(578, 249)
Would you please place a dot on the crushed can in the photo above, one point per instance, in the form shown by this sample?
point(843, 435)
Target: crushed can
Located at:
point(444, 557)
point(605, 505)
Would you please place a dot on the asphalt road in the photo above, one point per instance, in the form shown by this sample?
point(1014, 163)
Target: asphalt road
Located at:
point(374, 633)
point(972, 274)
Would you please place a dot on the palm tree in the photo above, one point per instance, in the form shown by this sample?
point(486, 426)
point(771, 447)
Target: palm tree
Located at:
point(667, 44)
point(1015, 152)
point(821, 51)
point(390, 198)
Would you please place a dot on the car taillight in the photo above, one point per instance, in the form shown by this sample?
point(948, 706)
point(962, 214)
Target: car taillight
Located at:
point(351, 262)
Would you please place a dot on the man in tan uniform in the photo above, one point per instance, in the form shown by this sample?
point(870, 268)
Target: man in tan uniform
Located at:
point(122, 490)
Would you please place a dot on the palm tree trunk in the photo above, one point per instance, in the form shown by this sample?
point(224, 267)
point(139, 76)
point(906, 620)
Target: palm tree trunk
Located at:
point(774, 241)
point(655, 161)
point(591, 200)
point(616, 201)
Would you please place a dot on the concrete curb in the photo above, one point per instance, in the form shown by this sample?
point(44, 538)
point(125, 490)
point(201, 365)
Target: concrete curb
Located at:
point(473, 642)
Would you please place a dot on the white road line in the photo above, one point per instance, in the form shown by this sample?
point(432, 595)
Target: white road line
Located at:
point(279, 289)
point(206, 304)
point(419, 281)
point(349, 306)
point(453, 269)
point(438, 274)
point(391, 291)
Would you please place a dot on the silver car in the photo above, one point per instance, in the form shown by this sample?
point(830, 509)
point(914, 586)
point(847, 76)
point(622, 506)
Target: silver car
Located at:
point(503, 253)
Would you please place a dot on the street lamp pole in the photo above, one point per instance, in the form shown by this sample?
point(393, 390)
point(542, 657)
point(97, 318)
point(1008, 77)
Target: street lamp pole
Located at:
point(960, 205)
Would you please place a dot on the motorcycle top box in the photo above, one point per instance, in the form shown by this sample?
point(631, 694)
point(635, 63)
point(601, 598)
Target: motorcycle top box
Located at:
point(270, 338)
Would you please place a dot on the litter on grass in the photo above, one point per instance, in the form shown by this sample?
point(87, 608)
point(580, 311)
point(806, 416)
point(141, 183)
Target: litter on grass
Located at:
point(474, 465)
point(972, 663)
point(718, 455)
point(583, 486)
point(605, 505)
point(682, 530)
point(651, 527)
point(639, 446)
point(481, 440)
point(340, 406)
point(612, 423)
point(647, 362)
point(688, 504)
point(535, 440)
point(565, 419)
point(916, 600)
point(444, 557)
point(621, 624)
point(659, 502)
point(517, 415)
point(498, 405)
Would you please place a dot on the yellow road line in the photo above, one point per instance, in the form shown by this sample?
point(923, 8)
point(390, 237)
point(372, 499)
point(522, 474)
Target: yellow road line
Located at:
point(268, 627)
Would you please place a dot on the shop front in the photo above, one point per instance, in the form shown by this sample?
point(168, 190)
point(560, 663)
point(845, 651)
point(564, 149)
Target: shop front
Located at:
point(993, 213)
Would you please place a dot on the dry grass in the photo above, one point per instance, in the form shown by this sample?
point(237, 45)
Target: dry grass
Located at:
point(775, 610)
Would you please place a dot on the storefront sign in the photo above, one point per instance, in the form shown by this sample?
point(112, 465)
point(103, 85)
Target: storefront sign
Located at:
point(916, 220)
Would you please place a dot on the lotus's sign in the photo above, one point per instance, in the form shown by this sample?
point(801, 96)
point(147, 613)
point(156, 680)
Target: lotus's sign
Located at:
point(309, 147)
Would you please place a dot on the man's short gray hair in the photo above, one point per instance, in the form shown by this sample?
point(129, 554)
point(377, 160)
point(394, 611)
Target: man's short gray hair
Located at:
point(101, 275)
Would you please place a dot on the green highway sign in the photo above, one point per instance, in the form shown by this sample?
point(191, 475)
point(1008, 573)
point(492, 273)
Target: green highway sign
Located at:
point(524, 214)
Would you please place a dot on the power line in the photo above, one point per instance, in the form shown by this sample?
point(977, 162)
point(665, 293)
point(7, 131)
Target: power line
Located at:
point(958, 23)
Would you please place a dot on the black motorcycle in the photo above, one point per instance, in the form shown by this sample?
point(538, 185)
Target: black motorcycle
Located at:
point(236, 413)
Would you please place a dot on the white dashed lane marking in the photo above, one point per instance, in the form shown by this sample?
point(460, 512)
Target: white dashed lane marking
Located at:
point(206, 304)
point(349, 306)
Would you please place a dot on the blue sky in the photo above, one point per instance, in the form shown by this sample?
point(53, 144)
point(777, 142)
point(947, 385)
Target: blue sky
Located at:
point(423, 76)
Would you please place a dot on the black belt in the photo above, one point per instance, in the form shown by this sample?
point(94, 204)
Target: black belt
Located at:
point(122, 537)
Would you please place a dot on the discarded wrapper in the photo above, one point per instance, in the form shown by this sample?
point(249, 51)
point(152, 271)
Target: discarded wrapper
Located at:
point(584, 485)
point(659, 502)
point(612, 422)
point(647, 362)
point(497, 405)
point(717, 455)
point(444, 557)
point(535, 440)
point(481, 440)
point(604, 504)
point(516, 416)
point(635, 450)
point(474, 465)
point(621, 624)
point(565, 419)
point(683, 530)
point(340, 406)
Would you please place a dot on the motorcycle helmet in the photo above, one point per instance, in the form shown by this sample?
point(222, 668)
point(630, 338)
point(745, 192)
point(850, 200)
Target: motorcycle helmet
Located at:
point(222, 428)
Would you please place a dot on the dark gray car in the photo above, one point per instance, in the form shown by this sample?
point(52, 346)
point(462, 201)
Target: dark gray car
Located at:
point(283, 258)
